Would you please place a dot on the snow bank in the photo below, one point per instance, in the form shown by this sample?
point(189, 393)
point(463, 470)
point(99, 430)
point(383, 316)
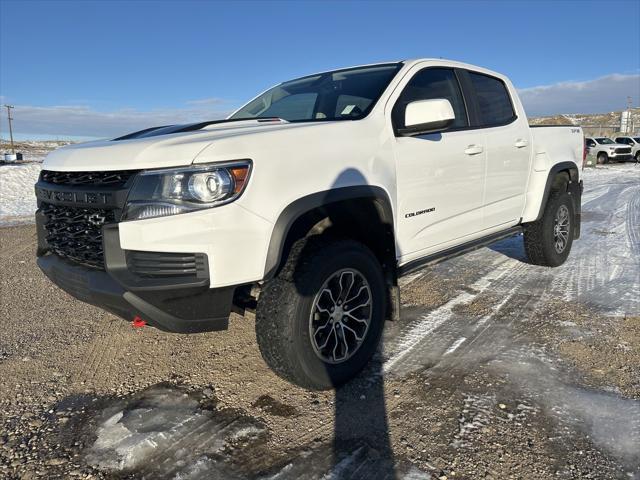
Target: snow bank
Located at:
point(17, 197)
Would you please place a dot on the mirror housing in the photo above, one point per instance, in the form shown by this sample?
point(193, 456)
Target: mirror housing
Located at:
point(427, 116)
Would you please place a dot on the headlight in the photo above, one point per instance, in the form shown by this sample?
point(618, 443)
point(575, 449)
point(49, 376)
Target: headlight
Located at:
point(157, 193)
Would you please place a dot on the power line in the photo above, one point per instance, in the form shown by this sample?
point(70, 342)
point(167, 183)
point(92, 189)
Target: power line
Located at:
point(10, 118)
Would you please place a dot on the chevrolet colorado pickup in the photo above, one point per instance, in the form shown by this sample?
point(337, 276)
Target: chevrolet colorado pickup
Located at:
point(307, 204)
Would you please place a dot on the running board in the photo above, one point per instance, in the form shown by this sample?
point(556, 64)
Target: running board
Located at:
point(420, 263)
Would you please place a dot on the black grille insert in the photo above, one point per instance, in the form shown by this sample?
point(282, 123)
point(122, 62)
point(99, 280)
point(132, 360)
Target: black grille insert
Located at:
point(161, 264)
point(623, 150)
point(113, 179)
point(76, 233)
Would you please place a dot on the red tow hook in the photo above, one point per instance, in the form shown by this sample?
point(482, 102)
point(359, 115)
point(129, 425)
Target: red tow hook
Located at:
point(138, 322)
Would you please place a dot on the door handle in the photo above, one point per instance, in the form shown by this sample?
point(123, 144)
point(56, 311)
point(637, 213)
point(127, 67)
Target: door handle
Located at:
point(520, 143)
point(474, 149)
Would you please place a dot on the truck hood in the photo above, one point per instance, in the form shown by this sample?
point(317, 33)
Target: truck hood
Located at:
point(159, 147)
point(612, 145)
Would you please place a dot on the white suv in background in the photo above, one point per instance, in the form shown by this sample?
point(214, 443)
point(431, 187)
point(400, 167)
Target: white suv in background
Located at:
point(605, 150)
point(634, 143)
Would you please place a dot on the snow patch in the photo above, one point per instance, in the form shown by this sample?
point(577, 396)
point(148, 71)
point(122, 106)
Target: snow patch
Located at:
point(17, 196)
point(611, 421)
point(415, 474)
point(455, 345)
point(360, 462)
point(424, 326)
point(476, 414)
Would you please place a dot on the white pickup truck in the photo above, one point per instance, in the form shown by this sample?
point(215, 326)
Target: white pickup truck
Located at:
point(308, 204)
point(605, 149)
point(633, 143)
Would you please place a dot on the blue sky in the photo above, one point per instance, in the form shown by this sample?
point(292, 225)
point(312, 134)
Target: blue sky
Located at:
point(92, 68)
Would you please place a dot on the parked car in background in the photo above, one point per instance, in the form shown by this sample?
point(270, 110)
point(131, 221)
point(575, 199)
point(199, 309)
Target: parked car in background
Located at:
point(634, 143)
point(606, 150)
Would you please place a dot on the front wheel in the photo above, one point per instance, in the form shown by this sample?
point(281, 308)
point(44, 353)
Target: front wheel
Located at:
point(602, 158)
point(319, 321)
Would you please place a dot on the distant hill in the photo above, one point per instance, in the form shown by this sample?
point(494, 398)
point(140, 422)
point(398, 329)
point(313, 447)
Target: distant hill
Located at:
point(611, 119)
point(32, 150)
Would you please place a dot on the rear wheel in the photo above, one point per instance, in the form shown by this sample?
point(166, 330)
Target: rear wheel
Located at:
point(548, 241)
point(319, 321)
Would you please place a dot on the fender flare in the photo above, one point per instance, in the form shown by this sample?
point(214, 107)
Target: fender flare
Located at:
point(574, 188)
point(299, 207)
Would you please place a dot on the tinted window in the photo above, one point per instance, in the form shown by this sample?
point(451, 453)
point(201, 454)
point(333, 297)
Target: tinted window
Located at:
point(494, 102)
point(430, 84)
point(591, 143)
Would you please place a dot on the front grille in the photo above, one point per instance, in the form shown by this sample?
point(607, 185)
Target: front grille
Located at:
point(76, 233)
point(111, 179)
point(623, 150)
point(161, 264)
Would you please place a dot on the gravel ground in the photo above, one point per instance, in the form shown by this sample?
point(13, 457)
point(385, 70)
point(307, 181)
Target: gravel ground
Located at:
point(497, 369)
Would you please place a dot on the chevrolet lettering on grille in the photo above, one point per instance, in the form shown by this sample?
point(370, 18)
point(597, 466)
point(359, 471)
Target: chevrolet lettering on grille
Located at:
point(94, 198)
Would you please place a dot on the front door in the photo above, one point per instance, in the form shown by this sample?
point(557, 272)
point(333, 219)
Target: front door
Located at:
point(440, 176)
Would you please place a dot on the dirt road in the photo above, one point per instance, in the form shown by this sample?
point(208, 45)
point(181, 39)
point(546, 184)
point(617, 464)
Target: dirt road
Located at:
point(497, 369)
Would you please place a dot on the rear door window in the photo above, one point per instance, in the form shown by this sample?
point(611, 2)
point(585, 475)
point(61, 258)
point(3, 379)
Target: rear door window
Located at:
point(493, 100)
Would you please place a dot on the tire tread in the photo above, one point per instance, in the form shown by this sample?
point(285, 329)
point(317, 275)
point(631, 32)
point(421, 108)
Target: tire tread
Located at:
point(278, 302)
point(536, 238)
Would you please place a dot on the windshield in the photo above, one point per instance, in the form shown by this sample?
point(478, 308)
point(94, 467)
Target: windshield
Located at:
point(604, 141)
point(339, 95)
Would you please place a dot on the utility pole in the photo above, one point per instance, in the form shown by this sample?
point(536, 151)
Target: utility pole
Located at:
point(10, 118)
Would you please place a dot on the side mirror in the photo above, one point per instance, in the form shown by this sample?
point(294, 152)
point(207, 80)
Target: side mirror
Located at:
point(427, 116)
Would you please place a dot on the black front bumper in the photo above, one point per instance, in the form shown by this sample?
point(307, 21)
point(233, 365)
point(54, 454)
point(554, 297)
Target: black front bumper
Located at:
point(173, 304)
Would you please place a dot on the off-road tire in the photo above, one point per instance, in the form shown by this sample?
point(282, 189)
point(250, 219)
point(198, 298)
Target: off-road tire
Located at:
point(539, 241)
point(637, 157)
point(285, 304)
point(602, 158)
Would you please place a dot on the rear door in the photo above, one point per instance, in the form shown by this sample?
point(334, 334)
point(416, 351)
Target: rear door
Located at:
point(440, 176)
point(508, 147)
